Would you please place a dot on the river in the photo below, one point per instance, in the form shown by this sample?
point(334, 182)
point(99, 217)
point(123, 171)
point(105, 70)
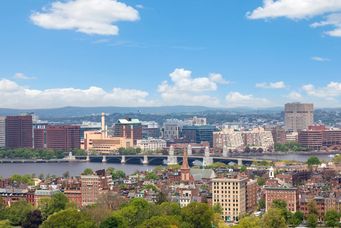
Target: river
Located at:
point(75, 168)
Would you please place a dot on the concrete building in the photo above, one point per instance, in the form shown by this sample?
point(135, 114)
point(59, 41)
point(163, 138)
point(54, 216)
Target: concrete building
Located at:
point(19, 132)
point(2, 131)
point(171, 131)
point(287, 194)
point(129, 128)
point(198, 121)
point(151, 144)
point(230, 194)
point(63, 137)
point(279, 135)
point(228, 138)
point(258, 138)
point(298, 116)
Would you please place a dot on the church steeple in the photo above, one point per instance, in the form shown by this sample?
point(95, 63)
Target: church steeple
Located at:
point(185, 170)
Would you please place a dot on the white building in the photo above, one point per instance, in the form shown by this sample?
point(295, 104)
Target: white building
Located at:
point(151, 144)
point(2, 131)
point(258, 138)
point(228, 138)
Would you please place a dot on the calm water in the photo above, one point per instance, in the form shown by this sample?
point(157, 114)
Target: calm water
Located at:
point(74, 168)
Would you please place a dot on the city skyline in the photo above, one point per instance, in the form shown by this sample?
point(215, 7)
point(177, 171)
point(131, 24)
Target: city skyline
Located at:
point(137, 53)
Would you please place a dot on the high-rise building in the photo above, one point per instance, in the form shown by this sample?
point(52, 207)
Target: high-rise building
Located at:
point(298, 116)
point(230, 194)
point(90, 189)
point(129, 128)
point(198, 134)
point(2, 131)
point(63, 137)
point(19, 132)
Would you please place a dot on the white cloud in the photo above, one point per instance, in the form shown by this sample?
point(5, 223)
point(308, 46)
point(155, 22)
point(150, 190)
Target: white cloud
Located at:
point(139, 6)
point(295, 96)
point(271, 85)
point(13, 95)
point(23, 76)
point(330, 91)
point(236, 99)
point(86, 16)
point(302, 9)
point(319, 59)
point(184, 89)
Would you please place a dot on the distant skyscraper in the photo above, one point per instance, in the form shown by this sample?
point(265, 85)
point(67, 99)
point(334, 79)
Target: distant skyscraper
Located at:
point(298, 116)
point(19, 132)
point(2, 131)
point(63, 137)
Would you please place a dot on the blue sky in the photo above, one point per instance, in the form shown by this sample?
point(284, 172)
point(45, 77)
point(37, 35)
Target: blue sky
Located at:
point(170, 52)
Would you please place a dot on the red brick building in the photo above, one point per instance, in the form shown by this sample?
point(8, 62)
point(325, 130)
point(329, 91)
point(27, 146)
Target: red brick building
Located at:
point(289, 195)
point(63, 137)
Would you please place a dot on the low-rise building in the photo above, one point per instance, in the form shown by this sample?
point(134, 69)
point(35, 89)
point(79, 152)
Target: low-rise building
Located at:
point(151, 144)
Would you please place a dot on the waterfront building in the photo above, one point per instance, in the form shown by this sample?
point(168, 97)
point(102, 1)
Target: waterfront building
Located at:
point(291, 136)
point(19, 132)
point(279, 135)
point(298, 116)
point(228, 138)
point(63, 137)
point(150, 129)
point(198, 134)
point(151, 144)
point(89, 126)
point(230, 194)
point(258, 138)
point(129, 128)
point(318, 136)
point(2, 131)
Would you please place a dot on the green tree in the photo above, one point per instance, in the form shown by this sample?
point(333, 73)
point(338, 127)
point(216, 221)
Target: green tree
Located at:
point(296, 218)
point(261, 204)
point(56, 203)
point(261, 181)
point(312, 220)
point(68, 218)
point(274, 218)
point(5, 224)
point(33, 220)
point(312, 207)
point(249, 222)
point(161, 222)
point(18, 211)
point(151, 176)
point(88, 171)
point(169, 208)
point(243, 168)
point(312, 161)
point(332, 218)
point(197, 215)
point(22, 179)
point(114, 221)
point(217, 208)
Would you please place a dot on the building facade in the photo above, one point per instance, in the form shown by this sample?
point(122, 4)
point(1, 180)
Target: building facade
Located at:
point(228, 138)
point(63, 137)
point(289, 195)
point(198, 134)
point(151, 144)
point(129, 128)
point(230, 194)
point(2, 131)
point(19, 132)
point(298, 116)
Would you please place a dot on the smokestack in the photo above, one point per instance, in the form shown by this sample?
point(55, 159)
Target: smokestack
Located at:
point(103, 125)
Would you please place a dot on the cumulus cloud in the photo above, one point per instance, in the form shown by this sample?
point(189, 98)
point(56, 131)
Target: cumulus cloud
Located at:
point(22, 76)
point(295, 96)
point(13, 95)
point(319, 59)
point(184, 89)
point(87, 16)
point(236, 99)
point(271, 85)
point(330, 91)
point(302, 9)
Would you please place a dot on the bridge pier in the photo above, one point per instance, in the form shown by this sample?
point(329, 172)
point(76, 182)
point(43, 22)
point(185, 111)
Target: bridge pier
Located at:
point(207, 160)
point(123, 159)
point(240, 161)
point(145, 160)
point(225, 151)
point(171, 159)
point(104, 159)
point(87, 158)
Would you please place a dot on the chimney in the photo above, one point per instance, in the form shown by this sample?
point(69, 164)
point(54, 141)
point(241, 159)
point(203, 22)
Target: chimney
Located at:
point(103, 125)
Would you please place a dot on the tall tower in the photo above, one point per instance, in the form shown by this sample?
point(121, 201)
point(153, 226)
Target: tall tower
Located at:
point(103, 130)
point(185, 170)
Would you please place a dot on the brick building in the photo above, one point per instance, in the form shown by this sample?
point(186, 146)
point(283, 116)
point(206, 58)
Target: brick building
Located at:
point(63, 137)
